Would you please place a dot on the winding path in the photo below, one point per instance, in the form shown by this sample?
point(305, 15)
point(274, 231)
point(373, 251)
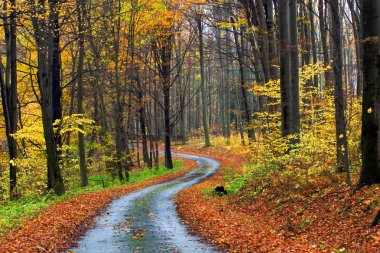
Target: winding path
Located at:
point(146, 220)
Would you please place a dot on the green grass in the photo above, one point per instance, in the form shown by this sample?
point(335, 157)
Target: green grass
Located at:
point(236, 182)
point(14, 213)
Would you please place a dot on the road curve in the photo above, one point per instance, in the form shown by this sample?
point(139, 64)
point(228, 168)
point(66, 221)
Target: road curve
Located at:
point(146, 220)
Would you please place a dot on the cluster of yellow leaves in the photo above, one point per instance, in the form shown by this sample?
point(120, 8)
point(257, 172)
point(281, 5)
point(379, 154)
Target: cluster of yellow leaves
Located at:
point(316, 149)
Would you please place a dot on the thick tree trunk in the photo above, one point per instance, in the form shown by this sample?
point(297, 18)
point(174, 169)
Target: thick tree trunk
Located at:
point(168, 153)
point(340, 119)
point(294, 65)
point(55, 71)
point(81, 146)
point(9, 95)
point(166, 58)
point(370, 173)
point(48, 53)
point(285, 81)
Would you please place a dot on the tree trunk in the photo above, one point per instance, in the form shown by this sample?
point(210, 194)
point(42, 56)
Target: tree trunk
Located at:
point(340, 120)
point(203, 89)
point(325, 48)
point(294, 65)
point(143, 134)
point(9, 95)
point(247, 112)
point(47, 43)
point(227, 86)
point(357, 29)
point(313, 39)
point(370, 173)
point(81, 146)
point(273, 58)
point(285, 81)
point(166, 57)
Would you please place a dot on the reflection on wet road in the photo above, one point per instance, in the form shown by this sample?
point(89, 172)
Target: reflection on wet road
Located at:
point(146, 220)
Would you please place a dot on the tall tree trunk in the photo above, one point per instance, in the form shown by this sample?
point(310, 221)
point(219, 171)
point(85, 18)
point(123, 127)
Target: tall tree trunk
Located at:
point(55, 70)
point(247, 112)
point(82, 152)
point(340, 119)
point(273, 58)
point(47, 51)
point(294, 65)
point(325, 48)
point(120, 139)
point(9, 94)
point(166, 50)
point(357, 29)
point(285, 81)
point(203, 89)
point(313, 39)
point(222, 90)
point(227, 86)
point(370, 173)
point(156, 130)
point(143, 132)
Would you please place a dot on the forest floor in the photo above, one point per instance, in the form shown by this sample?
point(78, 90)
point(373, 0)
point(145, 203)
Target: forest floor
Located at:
point(278, 211)
point(60, 224)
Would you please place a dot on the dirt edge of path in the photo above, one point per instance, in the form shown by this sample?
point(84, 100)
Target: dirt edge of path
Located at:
point(258, 227)
point(61, 225)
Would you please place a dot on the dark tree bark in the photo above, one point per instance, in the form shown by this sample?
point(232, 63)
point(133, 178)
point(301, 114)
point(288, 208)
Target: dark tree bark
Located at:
point(370, 173)
point(123, 163)
point(47, 42)
point(285, 81)
point(340, 119)
point(146, 159)
point(163, 53)
point(80, 4)
point(9, 94)
point(294, 65)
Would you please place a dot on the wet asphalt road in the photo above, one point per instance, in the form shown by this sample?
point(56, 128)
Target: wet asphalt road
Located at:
point(146, 220)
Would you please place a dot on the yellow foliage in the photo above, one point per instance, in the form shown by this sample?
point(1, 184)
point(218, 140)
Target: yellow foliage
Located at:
point(316, 149)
